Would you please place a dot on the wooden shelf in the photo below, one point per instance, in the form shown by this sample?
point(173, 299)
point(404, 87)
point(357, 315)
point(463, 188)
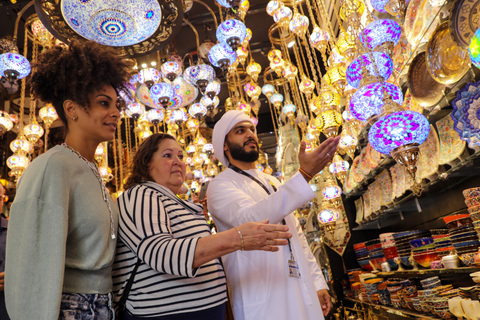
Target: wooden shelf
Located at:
point(409, 314)
point(427, 272)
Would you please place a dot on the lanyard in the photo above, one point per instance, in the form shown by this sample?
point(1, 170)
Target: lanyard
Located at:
point(238, 170)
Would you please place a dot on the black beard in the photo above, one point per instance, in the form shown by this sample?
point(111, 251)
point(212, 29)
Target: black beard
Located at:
point(238, 153)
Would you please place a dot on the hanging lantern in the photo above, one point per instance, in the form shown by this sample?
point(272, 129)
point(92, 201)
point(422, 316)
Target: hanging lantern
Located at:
point(179, 116)
point(274, 5)
point(255, 106)
point(306, 86)
point(149, 76)
point(6, 123)
point(197, 110)
point(245, 108)
point(247, 39)
point(191, 149)
point(362, 71)
point(21, 145)
point(315, 105)
point(144, 133)
point(328, 98)
point(328, 217)
point(317, 125)
point(277, 64)
point(41, 34)
point(381, 35)
point(17, 164)
point(222, 56)
point(210, 104)
point(242, 54)
point(319, 39)
point(208, 148)
point(154, 116)
point(396, 8)
point(276, 99)
point(229, 3)
point(332, 120)
point(100, 153)
point(171, 70)
point(346, 46)
point(268, 90)
point(332, 192)
point(14, 66)
point(243, 8)
point(348, 144)
point(253, 70)
point(339, 168)
point(193, 125)
point(135, 110)
point(274, 54)
point(289, 72)
point(162, 92)
point(231, 32)
point(213, 88)
point(299, 24)
point(105, 174)
point(200, 141)
point(352, 8)
point(289, 109)
point(282, 16)
point(33, 132)
point(199, 75)
point(336, 76)
point(252, 90)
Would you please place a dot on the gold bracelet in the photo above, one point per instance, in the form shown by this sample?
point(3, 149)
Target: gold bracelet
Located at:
point(241, 237)
point(305, 173)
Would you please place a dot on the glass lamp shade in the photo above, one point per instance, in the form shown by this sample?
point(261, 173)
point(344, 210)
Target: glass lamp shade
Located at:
point(248, 37)
point(268, 90)
point(149, 76)
point(200, 141)
point(105, 173)
point(252, 90)
point(379, 5)
point(33, 132)
point(41, 34)
point(111, 22)
point(474, 49)
point(331, 192)
point(315, 105)
point(14, 66)
point(319, 38)
point(17, 163)
point(339, 168)
point(329, 98)
point(231, 33)
point(208, 148)
point(318, 124)
point(179, 116)
point(336, 76)
point(229, 3)
point(348, 143)
point(289, 109)
point(253, 70)
point(349, 8)
point(368, 100)
point(162, 92)
point(306, 86)
point(380, 32)
point(355, 73)
point(282, 16)
point(274, 5)
point(21, 146)
point(222, 56)
point(171, 70)
point(135, 110)
point(197, 110)
point(332, 120)
point(100, 153)
point(242, 54)
point(210, 104)
point(398, 129)
point(245, 108)
point(274, 54)
point(193, 125)
point(328, 215)
point(290, 72)
point(191, 149)
point(6, 123)
point(154, 116)
point(199, 75)
point(346, 47)
point(299, 24)
point(213, 88)
point(276, 99)
point(185, 90)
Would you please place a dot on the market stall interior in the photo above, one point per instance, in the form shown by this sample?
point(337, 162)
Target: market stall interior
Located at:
point(396, 79)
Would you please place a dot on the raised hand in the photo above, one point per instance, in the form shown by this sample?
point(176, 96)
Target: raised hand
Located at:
point(313, 162)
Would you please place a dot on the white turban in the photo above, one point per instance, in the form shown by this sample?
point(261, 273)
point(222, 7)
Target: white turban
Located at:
point(222, 128)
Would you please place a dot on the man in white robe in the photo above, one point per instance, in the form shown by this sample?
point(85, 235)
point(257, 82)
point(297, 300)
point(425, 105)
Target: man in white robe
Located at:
point(260, 284)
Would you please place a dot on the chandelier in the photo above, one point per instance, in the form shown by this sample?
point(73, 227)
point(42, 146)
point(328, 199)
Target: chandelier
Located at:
point(14, 66)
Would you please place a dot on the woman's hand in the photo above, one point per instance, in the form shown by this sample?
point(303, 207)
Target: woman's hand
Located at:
point(262, 236)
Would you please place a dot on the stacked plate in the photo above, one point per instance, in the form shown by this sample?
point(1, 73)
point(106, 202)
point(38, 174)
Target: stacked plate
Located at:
point(441, 239)
point(389, 249)
point(463, 236)
point(472, 199)
point(361, 253)
point(423, 251)
point(375, 253)
point(402, 240)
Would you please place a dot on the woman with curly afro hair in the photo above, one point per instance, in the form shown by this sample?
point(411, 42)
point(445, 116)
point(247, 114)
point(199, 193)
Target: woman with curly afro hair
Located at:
point(62, 232)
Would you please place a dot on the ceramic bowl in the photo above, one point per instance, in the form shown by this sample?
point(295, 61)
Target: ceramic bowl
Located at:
point(365, 264)
point(424, 259)
point(460, 245)
point(471, 192)
point(461, 221)
point(437, 264)
point(473, 209)
point(447, 219)
point(468, 259)
point(417, 243)
point(429, 280)
point(438, 232)
point(472, 202)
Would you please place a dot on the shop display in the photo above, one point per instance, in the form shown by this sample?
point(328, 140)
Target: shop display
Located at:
point(465, 114)
point(451, 146)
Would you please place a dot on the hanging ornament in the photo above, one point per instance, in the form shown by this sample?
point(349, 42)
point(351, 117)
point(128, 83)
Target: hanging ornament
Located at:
point(197, 110)
point(171, 70)
point(162, 92)
point(253, 69)
point(213, 88)
point(222, 56)
point(231, 32)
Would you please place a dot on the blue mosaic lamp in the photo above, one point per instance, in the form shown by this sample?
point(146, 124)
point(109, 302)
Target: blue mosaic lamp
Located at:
point(289, 109)
point(222, 56)
point(213, 88)
point(149, 76)
point(197, 110)
point(379, 5)
point(276, 99)
point(229, 3)
point(231, 32)
point(14, 66)
point(367, 102)
point(268, 90)
point(171, 70)
point(135, 110)
point(199, 75)
point(179, 116)
point(328, 215)
point(162, 92)
point(362, 71)
point(111, 22)
point(381, 35)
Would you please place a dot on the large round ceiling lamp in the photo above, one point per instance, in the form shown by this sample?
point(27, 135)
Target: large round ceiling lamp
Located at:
point(231, 32)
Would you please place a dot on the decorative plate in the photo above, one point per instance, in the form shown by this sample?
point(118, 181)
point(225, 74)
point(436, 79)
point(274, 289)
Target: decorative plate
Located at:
point(401, 53)
point(363, 168)
point(466, 113)
point(451, 146)
point(398, 180)
point(385, 184)
point(373, 157)
point(367, 206)
point(428, 158)
point(464, 21)
point(409, 103)
point(418, 21)
point(355, 174)
point(359, 210)
point(424, 89)
point(376, 196)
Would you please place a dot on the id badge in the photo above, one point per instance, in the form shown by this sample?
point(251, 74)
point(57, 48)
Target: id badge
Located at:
point(293, 269)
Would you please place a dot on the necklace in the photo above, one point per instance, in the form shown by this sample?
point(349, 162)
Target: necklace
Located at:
point(105, 194)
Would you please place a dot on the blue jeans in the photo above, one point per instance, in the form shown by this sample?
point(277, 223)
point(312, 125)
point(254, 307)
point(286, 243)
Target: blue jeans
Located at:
point(215, 313)
point(76, 306)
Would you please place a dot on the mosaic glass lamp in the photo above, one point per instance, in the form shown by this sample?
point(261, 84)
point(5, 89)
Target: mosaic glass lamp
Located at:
point(6, 123)
point(135, 110)
point(362, 71)
point(289, 109)
point(191, 149)
point(332, 192)
point(229, 3)
point(306, 86)
point(231, 32)
point(379, 5)
point(474, 49)
point(197, 110)
point(276, 99)
point(253, 69)
point(154, 116)
point(149, 76)
point(339, 168)
point(289, 72)
point(111, 22)
point(299, 24)
point(274, 5)
point(368, 101)
point(14, 66)
point(210, 104)
point(319, 38)
point(268, 90)
point(179, 116)
point(162, 92)
point(193, 125)
point(17, 164)
point(242, 54)
point(213, 88)
point(332, 120)
point(282, 16)
point(328, 215)
point(252, 90)
point(171, 70)
point(381, 35)
point(348, 144)
point(222, 56)
point(21, 145)
point(336, 76)
point(199, 75)
point(33, 132)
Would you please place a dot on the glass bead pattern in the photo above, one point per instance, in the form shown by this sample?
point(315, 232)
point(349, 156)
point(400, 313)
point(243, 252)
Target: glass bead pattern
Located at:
point(148, 74)
point(206, 101)
point(282, 14)
point(135, 108)
point(379, 5)
point(474, 49)
point(161, 90)
point(328, 215)
point(199, 72)
point(274, 5)
point(398, 129)
point(289, 108)
point(368, 100)
point(231, 28)
point(111, 22)
point(197, 110)
point(154, 115)
point(276, 98)
point(466, 114)
point(214, 86)
point(268, 89)
point(383, 62)
point(220, 52)
point(337, 167)
point(14, 61)
point(171, 67)
point(299, 24)
point(381, 31)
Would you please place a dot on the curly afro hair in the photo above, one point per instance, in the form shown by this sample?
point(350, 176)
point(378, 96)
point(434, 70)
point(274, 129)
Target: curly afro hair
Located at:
point(75, 72)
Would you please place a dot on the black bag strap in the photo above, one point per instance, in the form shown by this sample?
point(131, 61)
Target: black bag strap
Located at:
point(123, 299)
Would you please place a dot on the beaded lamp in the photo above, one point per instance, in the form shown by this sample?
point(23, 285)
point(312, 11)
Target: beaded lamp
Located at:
point(208, 148)
point(289, 71)
point(319, 38)
point(213, 88)
point(346, 46)
point(21, 145)
point(231, 33)
point(252, 90)
point(199, 75)
point(33, 132)
point(248, 37)
point(276, 99)
point(149, 76)
point(299, 24)
point(289, 109)
point(282, 16)
point(253, 69)
point(381, 35)
point(362, 68)
point(348, 144)
point(162, 92)
point(245, 108)
point(315, 105)
point(14, 66)
point(339, 168)
point(222, 56)
point(135, 110)
point(210, 104)
point(154, 116)
point(197, 110)
point(336, 76)
point(171, 70)
point(17, 164)
point(268, 90)
point(111, 22)
point(179, 116)
point(193, 125)
point(274, 5)
point(474, 49)
point(328, 98)
point(277, 64)
point(328, 216)
point(6, 123)
point(332, 192)
point(41, 34)
point(332, 120)
point(242, 54)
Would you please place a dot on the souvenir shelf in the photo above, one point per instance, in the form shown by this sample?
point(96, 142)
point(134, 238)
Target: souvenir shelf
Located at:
point(424, 273)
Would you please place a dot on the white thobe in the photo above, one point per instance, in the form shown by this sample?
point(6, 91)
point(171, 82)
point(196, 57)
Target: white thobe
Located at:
point(259, 282)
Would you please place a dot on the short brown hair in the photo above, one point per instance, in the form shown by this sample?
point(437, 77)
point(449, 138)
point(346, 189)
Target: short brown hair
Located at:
point(140, 167)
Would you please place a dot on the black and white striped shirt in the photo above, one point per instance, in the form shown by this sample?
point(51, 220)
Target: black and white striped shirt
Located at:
point(163, 230)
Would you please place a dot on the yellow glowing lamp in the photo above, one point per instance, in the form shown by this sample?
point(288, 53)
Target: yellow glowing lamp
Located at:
point(306, 86)
point(17, 164)
point(245, 108)
point(332, 120)
point(273, 54)
point(247, 38)
point(21, 145)
point(242, 54)
point(336, 76)
point(48, 115)
point(252, 90)
point(100, 153)
point(277, 64)
point(318, 124)
point(33, 132)
point(315, 105)
point(289, 72)
point(254, 69)
point(346, 45)
point(200, 141)
point(191, 149)
point(6, 123)
point(353, 7)
point(193, 125)
point(329, 98)
point(289, 109)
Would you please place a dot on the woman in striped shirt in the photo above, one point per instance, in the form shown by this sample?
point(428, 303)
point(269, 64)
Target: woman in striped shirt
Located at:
point(180, 275)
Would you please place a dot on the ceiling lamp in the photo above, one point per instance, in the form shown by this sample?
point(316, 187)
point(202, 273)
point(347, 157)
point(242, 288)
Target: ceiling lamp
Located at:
point(319, 39)
point(268, 90)
point(229, 3)
point(247, 39)
point(289, 109)
point(349, 8)
point(193, 125)
point(314, 105)
point(21, 145)
point(231, 32)
point(474, 49)
point(336, 76)
point(135, 110)
point(274, 5)
point(332, 192)
point(276, 99)
point(282, 16)
point(254, 69)
point(41, 34)
point(171, 70)
point(328, 98)
point(243, 8)
point(242, 54)
point(191, 149)
point(379, 5)
point(396, 8)
point(332, 120)
point(213, 88)
point(348, 144)
point(208, 148)
point(149, 76)
point(6, 123)
point(252, 90)
point(362, 69)
point(199, 140)
point(14, 66)
point(210, 104)
point(154, 116)
point(111, 22)
point(106, 172)
point(245, 108)
point(199, 75)
point(222, 56)
point(17, 164)
point(368, 101)
point(381, 35)
point(100, 153)
point(346, 46)
point(33, 132)
point(299, 24)
point(162, 92)
point(185, 90)
point(328, 217)
point(339, 168)
point(197, 110)
point(306, 86)
point(289, 72)
point(179, 116)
